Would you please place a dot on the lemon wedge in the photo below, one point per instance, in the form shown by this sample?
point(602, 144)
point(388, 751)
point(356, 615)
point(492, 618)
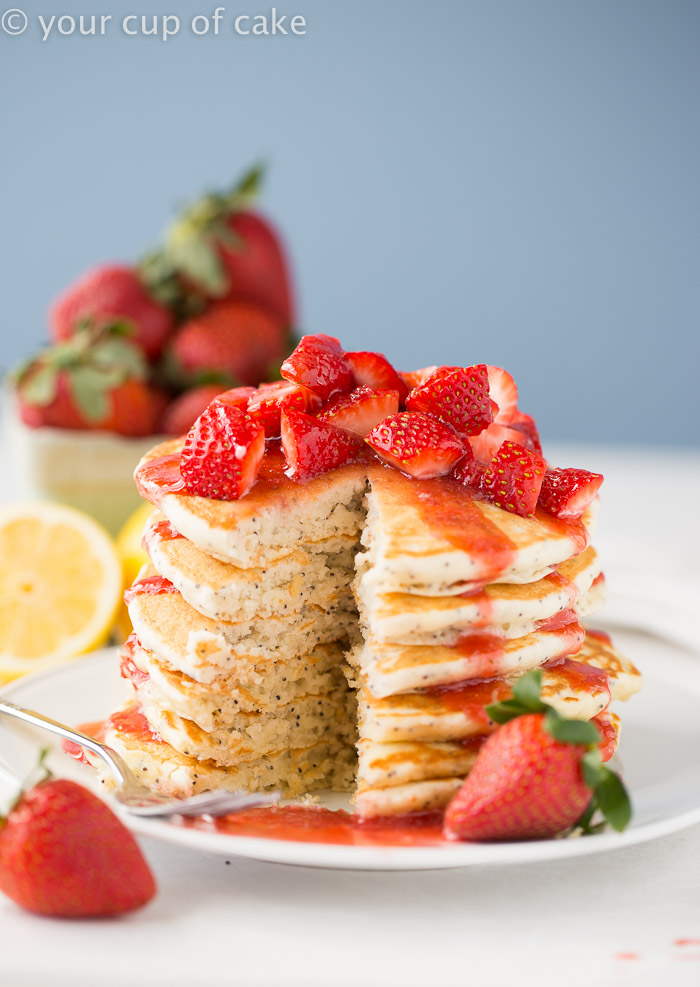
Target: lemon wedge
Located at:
point(60, 586)
point(132, 557)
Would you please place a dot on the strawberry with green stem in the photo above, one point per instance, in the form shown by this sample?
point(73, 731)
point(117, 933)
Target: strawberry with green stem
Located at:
point(539, 775)
point(108, 294)
point(64, 853)
point(96, 379)
point(221, 250)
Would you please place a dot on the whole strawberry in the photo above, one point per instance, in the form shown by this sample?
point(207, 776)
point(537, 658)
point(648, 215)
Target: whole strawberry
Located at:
point(230, 342)
point(536, 777)
point(64, 853)
point(112, 293)
point(97, 379)
point(223, 250)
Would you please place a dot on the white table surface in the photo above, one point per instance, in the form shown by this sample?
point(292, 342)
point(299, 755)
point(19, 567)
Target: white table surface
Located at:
point(619, 918)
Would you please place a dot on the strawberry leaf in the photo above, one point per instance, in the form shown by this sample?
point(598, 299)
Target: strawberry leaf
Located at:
point(247, 188)
point(89, 390)
point(39, 387)
point(120, 357)
point(527, 690)
point(526, 699)
point(613, 800)
point(197, 258)
point(571, 731)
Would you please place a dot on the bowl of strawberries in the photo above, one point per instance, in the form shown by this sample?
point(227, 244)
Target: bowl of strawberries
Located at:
point(138, 351)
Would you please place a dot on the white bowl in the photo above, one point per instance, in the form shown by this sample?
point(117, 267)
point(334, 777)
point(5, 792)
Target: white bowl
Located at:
point(92, 471)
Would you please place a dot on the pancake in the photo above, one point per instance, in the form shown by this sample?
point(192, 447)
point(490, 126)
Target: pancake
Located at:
point(405, 618)
point(578, 688)
point(325, 765)
point(248, 686)
point(226, 592)
point(249, 736)
point(274, 518)
point(389, 669)
point(394, 779)
point(204, 649)
point(431, 537)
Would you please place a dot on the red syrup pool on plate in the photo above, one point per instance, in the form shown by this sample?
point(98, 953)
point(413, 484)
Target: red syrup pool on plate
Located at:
point(313, 824)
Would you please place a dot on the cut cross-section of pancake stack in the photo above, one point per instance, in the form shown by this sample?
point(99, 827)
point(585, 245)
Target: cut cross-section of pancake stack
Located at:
point(237, 658)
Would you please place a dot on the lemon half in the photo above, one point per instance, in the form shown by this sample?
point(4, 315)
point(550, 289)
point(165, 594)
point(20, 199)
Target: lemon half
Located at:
point(60, 586)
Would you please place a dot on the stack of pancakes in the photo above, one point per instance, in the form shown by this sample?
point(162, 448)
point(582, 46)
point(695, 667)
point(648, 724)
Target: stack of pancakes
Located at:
point(252, 668)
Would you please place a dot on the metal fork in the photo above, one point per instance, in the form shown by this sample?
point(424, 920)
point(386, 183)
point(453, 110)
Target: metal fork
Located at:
point(130, 792)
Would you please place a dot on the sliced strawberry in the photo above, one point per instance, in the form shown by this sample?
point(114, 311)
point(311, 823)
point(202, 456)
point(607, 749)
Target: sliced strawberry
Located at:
point(417, 444)
point(267, 404)
point(504, 392)
point(567, 493)
point(222, 454)
point(526, 425)
point(312, 447)
point(319, 363)
point(414, 378)
point(487, 443)
point(237, 397)
point(514, 479)
point(374, 370)
point(362, 409)
point(459, 398)
point(469, 471)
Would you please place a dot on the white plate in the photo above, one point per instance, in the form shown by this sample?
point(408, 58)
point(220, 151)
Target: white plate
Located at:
point(659, 756)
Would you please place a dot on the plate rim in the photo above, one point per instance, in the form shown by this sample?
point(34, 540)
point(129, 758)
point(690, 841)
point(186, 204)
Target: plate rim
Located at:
point(363, 857)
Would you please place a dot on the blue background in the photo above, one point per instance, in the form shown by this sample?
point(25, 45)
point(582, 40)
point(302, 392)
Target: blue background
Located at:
point(510, 182)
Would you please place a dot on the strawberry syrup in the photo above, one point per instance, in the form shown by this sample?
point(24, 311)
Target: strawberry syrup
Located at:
point(159, 532)
point(312, 824)
point(448, 508)
point(150, 586)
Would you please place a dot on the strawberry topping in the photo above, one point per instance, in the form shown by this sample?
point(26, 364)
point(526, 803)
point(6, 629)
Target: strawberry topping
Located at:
point(487, 443)
point(504, 392)
point(513, 479)
point(267, 404)
point(417, 444)
point(525, 424)
point(374, 370)
point(566, 493)
point(222, 454)
point(459, 398)
point(319, 363)
point(312, 447)
point(362, 409)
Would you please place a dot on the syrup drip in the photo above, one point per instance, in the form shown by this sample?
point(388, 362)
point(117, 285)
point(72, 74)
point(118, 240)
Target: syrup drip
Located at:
point(151, 586)
point(159, 532)
point(599, 636)
point(608, 732)
point(563, 583)
point(448, 508)
point(160, 477)
point(129, 669)
point(562, 619)
point(581, 677)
